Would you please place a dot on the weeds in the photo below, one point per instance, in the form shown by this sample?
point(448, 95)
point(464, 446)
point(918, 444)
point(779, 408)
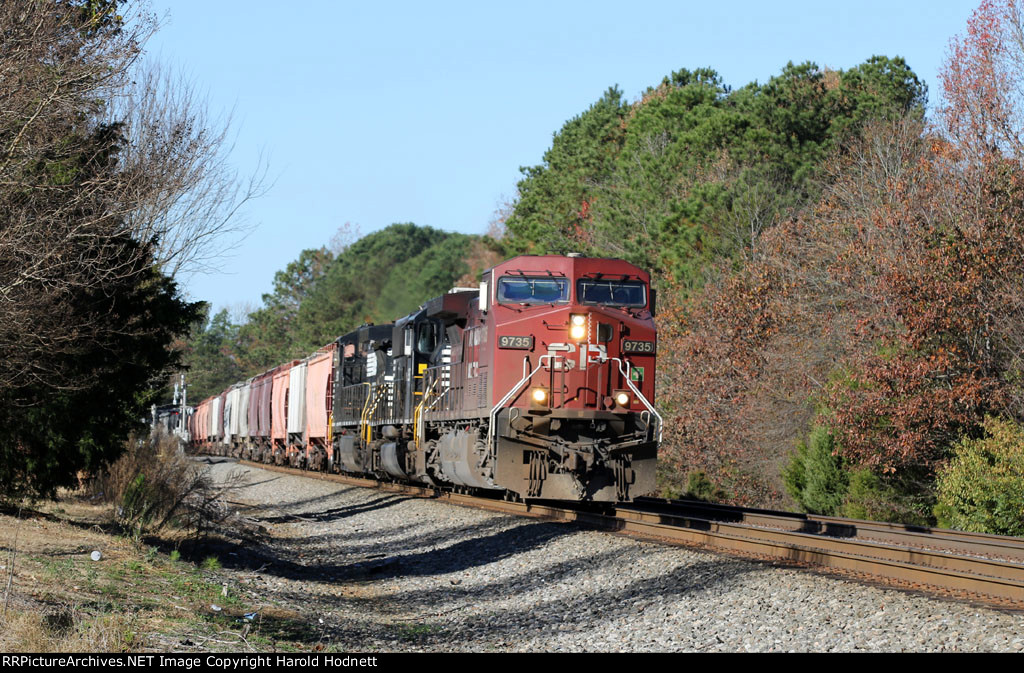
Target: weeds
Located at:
point(10, 570)
point(70, 629)
point(416, 631)
point(55, 569)
point(154, 484)
point(135, 597)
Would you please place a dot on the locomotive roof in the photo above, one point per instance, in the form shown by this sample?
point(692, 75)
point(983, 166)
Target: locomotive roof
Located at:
point(367, 332)
point(575, 266)
point(451, 305)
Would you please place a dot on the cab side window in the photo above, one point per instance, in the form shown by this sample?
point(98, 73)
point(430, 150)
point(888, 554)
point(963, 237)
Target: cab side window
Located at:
point(426, 338)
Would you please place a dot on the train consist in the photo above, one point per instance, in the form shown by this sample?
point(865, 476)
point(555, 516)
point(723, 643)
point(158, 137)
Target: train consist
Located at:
point(539, 384)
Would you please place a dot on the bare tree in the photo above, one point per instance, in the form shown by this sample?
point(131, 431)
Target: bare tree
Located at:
point(102, 179)
point(502, 211)
point(185, 195)
point(982, 80)
point(62, 218)
point(347, 234)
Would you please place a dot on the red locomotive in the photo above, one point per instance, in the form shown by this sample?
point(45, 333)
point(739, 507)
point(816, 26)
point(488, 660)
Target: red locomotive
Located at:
point(540, 385)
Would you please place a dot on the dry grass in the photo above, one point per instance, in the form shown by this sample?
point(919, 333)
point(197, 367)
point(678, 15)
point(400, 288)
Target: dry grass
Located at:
point(135, 598)
point(56, 603)
point(68, 630)
point(141, 595)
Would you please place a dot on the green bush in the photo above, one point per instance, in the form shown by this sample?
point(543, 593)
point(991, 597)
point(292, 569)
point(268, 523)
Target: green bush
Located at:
point(900, 500)
point(700, 487)
point(867, 497)
point(815, 476)
point(982, 488)
point(669, 480)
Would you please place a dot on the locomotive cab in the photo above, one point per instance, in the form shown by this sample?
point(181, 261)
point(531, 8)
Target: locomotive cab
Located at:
point(573, 359)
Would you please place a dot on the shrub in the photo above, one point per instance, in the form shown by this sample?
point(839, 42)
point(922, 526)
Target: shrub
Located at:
point(815, 476)
point(982, 488)
point(886, 498)
point(669, 479)
point(700, 487)
point(867, 497)
point(675, 483)
point(155, 484)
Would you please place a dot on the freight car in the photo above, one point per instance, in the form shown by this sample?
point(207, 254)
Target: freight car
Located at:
point(537, 384)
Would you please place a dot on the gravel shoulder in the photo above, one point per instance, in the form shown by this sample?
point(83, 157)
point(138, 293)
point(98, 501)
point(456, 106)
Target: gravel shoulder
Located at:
point(387, 572)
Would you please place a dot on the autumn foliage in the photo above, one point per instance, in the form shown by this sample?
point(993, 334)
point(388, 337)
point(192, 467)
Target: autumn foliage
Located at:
point(889, 313)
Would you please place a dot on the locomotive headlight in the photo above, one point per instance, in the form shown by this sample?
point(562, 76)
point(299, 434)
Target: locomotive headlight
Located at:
point(539, 398)
point(577, 327)
point(622, 398)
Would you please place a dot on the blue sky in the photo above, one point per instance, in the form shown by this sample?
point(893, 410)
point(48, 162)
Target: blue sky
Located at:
point(374, 113)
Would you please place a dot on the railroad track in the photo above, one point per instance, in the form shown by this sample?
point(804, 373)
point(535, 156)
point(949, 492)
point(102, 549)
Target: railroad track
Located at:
point(980, 544)
point(972, 566)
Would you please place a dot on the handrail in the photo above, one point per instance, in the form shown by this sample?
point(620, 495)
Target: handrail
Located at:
point(363, 426)
point(494, 411)
point(382, 390)
point(417, 416)
point(636, 391)
point(440, 395)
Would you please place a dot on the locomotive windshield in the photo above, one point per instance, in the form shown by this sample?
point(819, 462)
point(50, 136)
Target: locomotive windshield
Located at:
point(611, 292)
point(527, 290)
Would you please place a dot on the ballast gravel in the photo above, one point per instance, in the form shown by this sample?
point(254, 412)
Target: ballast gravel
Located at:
point(388, 572)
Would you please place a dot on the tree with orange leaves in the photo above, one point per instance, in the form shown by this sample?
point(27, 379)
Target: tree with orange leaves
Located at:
point(890, 313)
point(983, 81)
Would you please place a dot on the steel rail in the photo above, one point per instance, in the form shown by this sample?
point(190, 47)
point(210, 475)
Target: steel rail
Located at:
point(966, 542)
point(990, 579)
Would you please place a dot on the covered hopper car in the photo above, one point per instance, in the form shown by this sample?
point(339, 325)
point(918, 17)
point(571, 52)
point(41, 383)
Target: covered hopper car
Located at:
point(539, 384)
